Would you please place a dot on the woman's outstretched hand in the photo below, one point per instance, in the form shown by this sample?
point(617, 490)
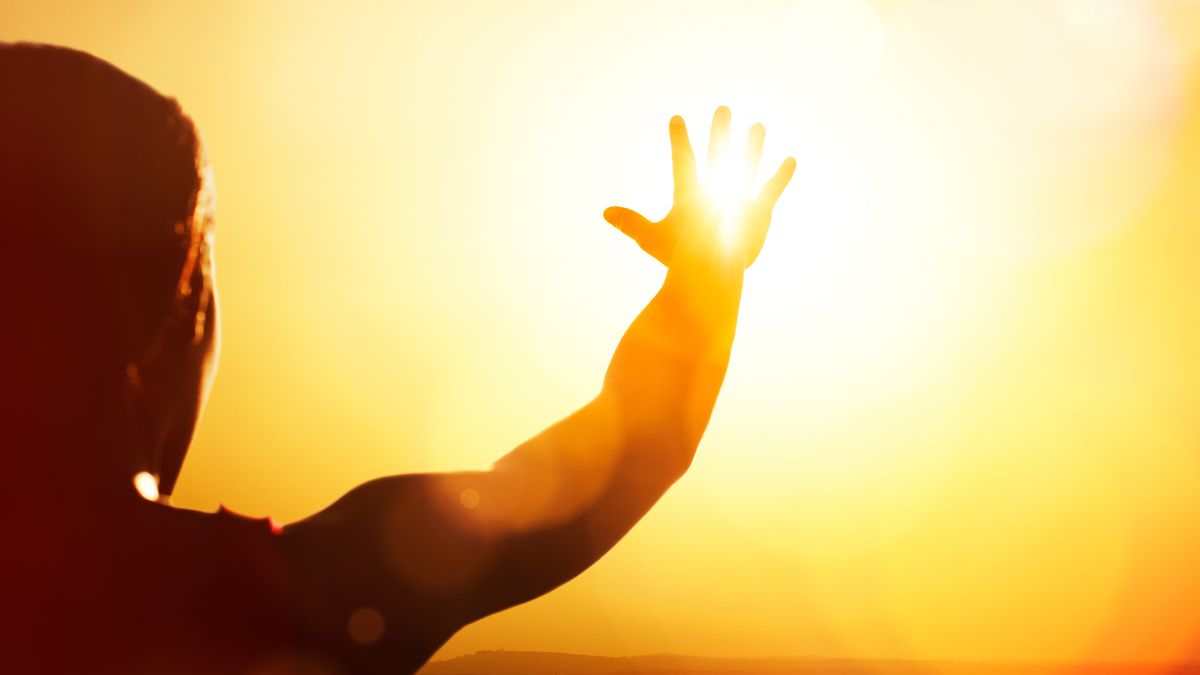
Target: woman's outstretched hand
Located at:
point(722, 213)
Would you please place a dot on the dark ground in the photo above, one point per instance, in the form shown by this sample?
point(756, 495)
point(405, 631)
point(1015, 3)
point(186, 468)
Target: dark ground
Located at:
point(541, 663)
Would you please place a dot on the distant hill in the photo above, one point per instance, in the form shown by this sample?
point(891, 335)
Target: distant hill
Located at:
point(545, 663)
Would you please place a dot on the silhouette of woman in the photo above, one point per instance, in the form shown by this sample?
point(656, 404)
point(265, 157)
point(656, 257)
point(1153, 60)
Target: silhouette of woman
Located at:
point(110, 328)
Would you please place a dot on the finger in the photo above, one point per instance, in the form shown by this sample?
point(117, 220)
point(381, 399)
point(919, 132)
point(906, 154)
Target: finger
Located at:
point(718, 139)
point(774, 187)
point(626, 220)
point(754, 149)
point(682, 160)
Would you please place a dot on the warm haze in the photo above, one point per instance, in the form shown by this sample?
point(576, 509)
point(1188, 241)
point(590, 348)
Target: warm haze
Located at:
point(963, 415)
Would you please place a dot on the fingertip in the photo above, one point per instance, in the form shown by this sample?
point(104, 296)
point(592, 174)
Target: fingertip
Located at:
point(778, 182)
point(722, 118)
point(788, 170)
point(755, 139)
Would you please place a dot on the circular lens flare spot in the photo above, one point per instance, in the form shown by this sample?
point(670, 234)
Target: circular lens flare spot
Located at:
point(365, 625)
point(469, 498)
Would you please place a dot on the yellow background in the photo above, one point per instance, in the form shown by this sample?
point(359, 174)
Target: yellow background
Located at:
point(963, 414)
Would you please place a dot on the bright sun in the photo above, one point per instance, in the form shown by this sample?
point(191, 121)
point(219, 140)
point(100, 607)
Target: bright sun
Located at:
point(728, 185)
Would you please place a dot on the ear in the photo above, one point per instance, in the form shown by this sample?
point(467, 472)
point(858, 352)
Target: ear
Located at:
point(196, 359)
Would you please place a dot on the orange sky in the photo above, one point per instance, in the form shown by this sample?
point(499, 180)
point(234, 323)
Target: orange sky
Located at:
point(963, 415)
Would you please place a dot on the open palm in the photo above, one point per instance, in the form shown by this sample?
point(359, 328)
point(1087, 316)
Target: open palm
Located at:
point(738, 223)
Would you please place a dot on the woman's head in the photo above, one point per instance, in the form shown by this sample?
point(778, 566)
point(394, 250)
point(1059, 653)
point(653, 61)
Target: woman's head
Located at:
point(105, 246)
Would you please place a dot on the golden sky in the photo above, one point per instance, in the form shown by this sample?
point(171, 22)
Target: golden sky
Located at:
point(963, 414)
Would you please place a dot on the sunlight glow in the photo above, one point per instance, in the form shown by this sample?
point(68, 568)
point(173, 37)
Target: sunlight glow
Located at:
point(1112, 24)
point(973, 318)
point(831, 46)
point(727, 187)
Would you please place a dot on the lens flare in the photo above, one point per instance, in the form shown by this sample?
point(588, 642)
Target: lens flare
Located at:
point(147, 485)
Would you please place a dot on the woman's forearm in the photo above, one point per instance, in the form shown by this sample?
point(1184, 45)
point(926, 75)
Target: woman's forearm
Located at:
point(668, 368)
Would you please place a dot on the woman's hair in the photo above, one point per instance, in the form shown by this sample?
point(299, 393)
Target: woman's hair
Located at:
point(99, 172)
point(105, 212)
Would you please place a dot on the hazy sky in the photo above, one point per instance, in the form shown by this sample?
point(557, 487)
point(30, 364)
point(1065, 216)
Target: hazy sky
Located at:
point(963, 414)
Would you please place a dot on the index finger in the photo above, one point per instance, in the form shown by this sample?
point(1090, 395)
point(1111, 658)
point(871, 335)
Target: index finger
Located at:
point(774, 187)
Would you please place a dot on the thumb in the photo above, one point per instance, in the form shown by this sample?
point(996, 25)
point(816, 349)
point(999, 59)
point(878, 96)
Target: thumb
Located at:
point(626, 220)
